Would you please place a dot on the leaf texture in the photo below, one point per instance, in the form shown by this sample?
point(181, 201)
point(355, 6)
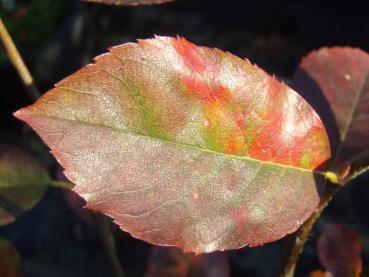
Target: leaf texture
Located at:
point(335, 81)
point(186, 146)
point(75, 202)
point(130, 2)
point(23, 182)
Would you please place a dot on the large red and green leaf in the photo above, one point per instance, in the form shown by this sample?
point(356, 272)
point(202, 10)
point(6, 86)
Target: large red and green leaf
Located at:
point(339, 251)
point(9, 260)
point(130, 2)
point(185, 145)
point(23, 182)
point(335, 81)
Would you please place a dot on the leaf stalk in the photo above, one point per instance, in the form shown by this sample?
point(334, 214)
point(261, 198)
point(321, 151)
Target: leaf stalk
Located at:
point(298, 239)
point(18, 62)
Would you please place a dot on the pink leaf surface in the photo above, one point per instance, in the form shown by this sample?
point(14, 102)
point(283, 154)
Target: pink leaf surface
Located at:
point(130, 2)
point(339, 251)
point(185, 145)
point(336, 83)
point(23, 182)
point(75, 202)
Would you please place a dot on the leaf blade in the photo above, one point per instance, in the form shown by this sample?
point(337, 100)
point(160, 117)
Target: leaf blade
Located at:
point(168, 167)
point(341, 76)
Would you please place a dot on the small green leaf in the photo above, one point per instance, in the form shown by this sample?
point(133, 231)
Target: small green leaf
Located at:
point(23, 182)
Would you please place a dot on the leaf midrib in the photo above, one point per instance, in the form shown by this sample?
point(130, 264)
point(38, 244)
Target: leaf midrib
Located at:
point(354, 108)
point(181, 145)
point(349, 121)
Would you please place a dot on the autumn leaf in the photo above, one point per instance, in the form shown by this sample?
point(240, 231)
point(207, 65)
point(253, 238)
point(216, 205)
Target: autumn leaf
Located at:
point(23, 182)
point(186, 146)
point(339, 251)
point(130, 2)
point(9, 260)
point(335, 81)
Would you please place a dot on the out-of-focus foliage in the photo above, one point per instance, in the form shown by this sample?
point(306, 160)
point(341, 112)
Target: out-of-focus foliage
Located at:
point(23, 182)
point(130, 2)
point(32, 22)
point(339, 251)
point(335, 81)
point(172, 262)
point(9, 260)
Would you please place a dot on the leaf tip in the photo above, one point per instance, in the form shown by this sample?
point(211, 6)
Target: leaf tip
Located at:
point(20, 114)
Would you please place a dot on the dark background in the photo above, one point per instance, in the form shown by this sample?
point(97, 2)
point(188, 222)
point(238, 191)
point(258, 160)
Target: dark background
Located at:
point(57, 37)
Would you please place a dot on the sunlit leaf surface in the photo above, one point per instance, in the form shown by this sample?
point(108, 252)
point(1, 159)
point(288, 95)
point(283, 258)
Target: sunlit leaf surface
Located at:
point(185, 145)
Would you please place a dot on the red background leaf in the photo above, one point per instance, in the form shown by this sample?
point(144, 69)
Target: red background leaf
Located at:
point(335, 81)
point(339, 251)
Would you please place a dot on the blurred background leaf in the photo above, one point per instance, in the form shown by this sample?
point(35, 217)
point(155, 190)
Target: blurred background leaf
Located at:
point(9, 260)
point(23, 182)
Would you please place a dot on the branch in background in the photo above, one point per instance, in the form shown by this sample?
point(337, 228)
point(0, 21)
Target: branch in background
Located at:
point(106, 236)
point(17, 61)
point(298, 239)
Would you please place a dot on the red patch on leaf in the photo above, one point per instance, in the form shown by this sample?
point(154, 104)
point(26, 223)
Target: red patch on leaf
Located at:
point(203, 90)
point(239, 216)
point(190, 56)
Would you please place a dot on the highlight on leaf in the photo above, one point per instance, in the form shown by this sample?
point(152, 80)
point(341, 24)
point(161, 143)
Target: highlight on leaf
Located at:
point(185, 145)
point(130, 2)
point(339, 251)
point(23, 182)
point(335, 81)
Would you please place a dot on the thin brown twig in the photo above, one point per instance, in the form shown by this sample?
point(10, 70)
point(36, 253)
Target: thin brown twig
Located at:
point(107, 240)
point(17, 61)
point(102, 225)
point(299, 239)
